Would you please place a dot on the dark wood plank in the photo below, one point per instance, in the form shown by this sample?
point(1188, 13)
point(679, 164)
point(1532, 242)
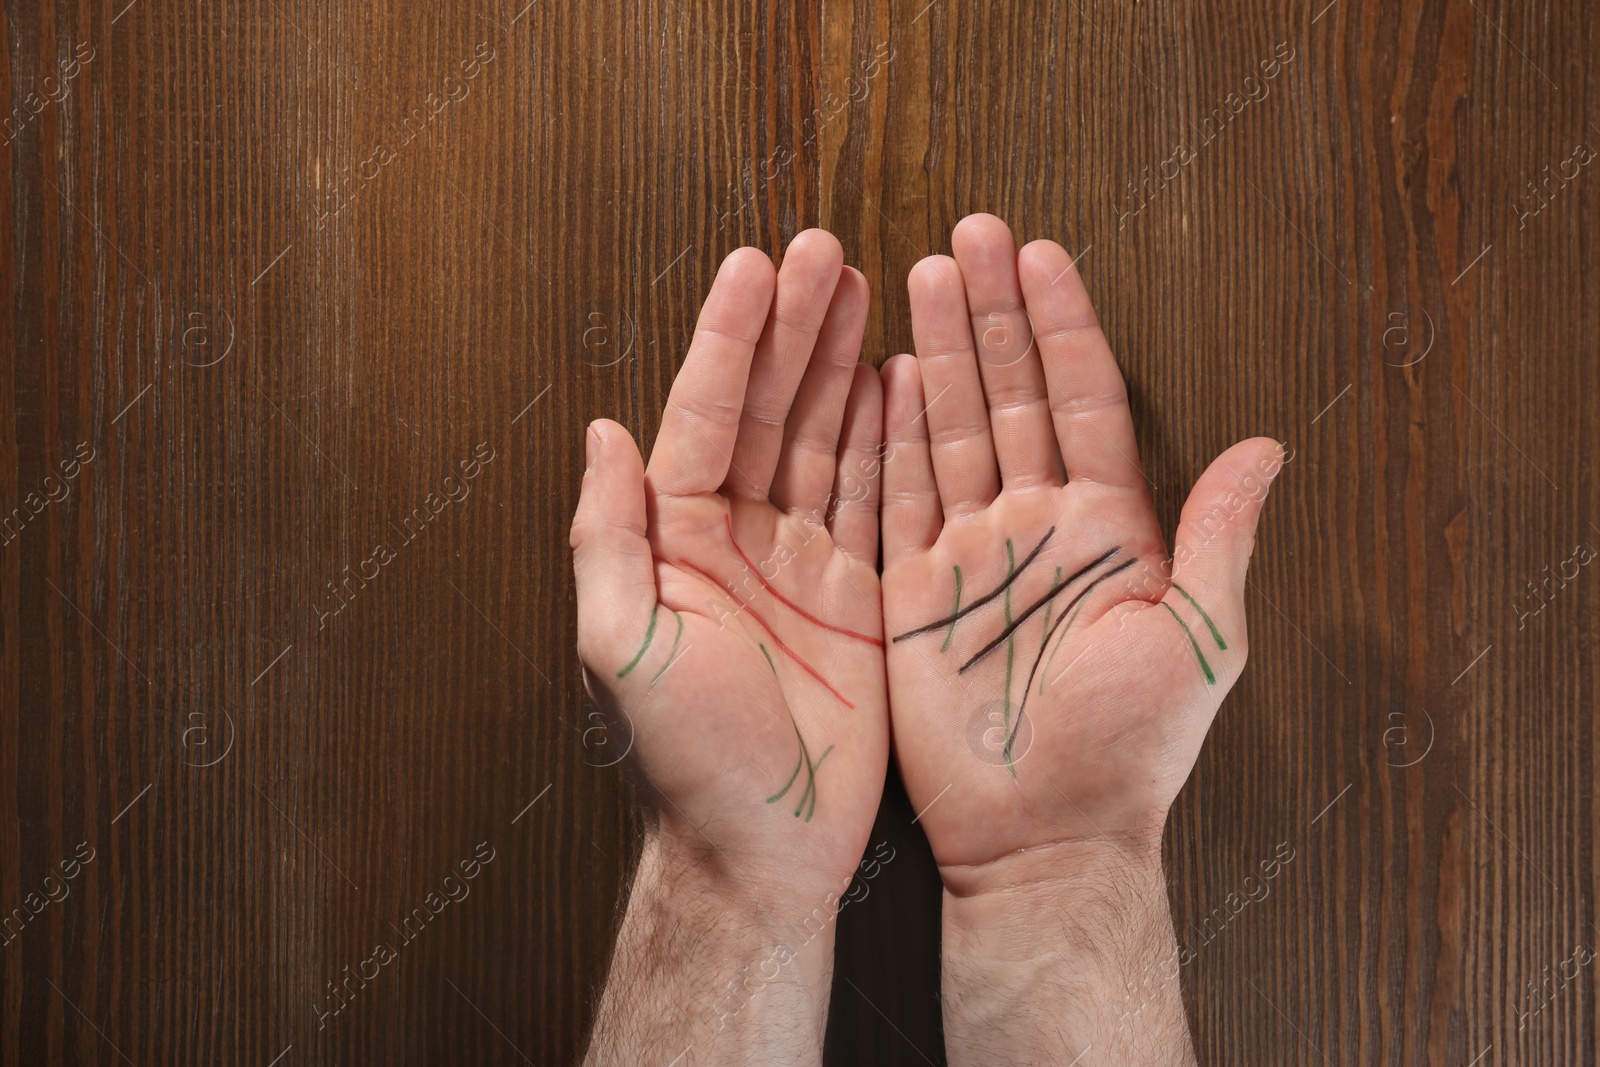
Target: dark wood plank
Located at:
point(402, 240)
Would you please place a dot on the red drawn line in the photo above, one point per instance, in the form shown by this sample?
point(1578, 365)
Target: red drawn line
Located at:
point(785, 649)
point(791, 605)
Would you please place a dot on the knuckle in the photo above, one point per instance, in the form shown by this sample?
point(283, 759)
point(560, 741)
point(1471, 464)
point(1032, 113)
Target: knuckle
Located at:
point(721, 411)
point(1090, 405)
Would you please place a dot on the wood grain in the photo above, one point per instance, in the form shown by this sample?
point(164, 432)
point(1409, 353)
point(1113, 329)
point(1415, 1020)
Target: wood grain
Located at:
point(287, 275)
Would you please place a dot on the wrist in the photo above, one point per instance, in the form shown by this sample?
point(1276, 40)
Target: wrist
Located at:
point(1079, 933)
point(1065, 900)
point(742, 899)
point(1069, 867)
point(706, 962)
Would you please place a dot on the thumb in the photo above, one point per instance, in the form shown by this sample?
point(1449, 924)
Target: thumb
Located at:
point(611, 557)
point(1211, 550)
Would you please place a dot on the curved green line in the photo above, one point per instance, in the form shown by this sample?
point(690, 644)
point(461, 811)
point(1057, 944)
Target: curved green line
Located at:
point(774, 798)
point(953, 612)
point(670, 652)
point(1055, 587)
point(771, 664)
point(1045, 673)
point(809, 793)
point(811, 786)
point(811, 773)
point(1216, 635)
point(1211, 679)
point(649, 635)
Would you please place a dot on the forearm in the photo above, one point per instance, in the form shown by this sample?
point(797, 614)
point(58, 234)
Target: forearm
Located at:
point(704, 974)
point(1059, 953)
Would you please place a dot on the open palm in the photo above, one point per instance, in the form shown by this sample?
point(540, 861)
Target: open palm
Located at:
point(1052, 667)
point(729, 607)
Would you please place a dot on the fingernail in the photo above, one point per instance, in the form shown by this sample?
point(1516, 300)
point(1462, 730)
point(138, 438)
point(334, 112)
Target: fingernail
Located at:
point(591, 447)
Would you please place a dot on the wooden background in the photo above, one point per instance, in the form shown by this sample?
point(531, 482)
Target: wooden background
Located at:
point(279, 268)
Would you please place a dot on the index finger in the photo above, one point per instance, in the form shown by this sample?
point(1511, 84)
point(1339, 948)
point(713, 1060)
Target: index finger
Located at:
point(694, 447)
point(1088, 398)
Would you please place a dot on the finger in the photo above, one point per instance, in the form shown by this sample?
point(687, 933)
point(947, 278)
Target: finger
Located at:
point(1211, 553)
point(1088, 398)
point(811, 437)
point(958, 421)
point(910, 507)
point(610, 554)
point(854, 523)
point(695, 446)
point(806, 282)
point(1008, 361)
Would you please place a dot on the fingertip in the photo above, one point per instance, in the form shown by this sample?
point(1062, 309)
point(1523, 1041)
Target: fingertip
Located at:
point(1257, 460)
point(816, 242)
point(863, 417)
point(810, 272)
point(869, 388)
point(1277, 452)
point(863, 414)
point(980, 220)
point(980, 234)
point(1042, 261)
point(612, 490)
point(1217, 529)
point(853, 290)
point(1042, 248)
point(932, 274)
point(853, 514)
point(902, 379)
point(603, 432)
point(749, 266)
point(609, 446)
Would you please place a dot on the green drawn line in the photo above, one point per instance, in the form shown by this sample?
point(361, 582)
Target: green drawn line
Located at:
point(799, 760)
point(811, 785)
point(1011, 648)
point(673, 651)
point(1046, 639)
point(771, 664)
point(1216, 635)
point(1046, 672)
point(804, 760)
point(648, 636)
point(1211, 679)
point(953, 612)
point(1055, 587)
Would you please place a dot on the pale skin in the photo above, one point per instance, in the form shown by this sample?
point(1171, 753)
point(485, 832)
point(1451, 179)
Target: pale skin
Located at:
point(1010, 423)
point(771, 431)
point(1051, 860)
